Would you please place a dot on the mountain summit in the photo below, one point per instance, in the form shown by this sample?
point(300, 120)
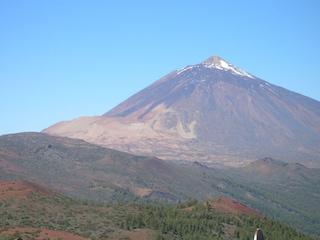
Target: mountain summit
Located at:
point(219, 63)
point(187, 82)
point(212, 112)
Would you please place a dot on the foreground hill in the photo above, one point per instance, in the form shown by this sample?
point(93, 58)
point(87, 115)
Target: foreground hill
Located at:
point(92, 173)
point(25, 208)
point(210, 112)
point(31, 211)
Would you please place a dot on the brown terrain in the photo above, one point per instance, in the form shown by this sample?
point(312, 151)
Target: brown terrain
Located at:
point(42, 234)
point(227, 205)
point(19, 189)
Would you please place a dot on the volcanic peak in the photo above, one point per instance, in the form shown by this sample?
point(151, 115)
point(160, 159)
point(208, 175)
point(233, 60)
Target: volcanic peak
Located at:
point(219, 63)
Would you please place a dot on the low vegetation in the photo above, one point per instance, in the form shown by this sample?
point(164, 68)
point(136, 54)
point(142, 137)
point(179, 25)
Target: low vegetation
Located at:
point(189, 220)
point(193, 220)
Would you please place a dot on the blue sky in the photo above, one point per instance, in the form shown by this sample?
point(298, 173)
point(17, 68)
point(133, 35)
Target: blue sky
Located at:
point(64, 59)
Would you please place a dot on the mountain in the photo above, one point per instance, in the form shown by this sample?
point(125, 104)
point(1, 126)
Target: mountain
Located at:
point(210, 112)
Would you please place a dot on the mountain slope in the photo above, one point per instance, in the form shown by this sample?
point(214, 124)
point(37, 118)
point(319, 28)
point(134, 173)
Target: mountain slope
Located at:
point(211, 112)
point(88, 171)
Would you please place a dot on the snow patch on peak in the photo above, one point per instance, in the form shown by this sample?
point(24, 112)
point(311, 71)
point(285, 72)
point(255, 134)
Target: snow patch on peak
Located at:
point(184, 69)
point(219, 63)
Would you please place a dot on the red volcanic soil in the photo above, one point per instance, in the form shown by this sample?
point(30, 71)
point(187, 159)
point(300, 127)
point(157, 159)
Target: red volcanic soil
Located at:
point(227, 205)
point(8, 166)
point(20, 189)
point(154, 164)
point(42, 234)
point(136, 234)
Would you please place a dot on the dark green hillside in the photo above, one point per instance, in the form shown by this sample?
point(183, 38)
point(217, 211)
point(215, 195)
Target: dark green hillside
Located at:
point(28, 205)
point(293, 201)
point(193, 220)
point(292, 188)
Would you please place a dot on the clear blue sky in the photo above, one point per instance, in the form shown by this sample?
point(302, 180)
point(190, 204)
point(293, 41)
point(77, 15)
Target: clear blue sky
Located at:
point(63, 59)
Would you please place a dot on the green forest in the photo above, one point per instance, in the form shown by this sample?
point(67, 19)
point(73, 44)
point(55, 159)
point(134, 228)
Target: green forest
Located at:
point(188, 220)
point(193, 220)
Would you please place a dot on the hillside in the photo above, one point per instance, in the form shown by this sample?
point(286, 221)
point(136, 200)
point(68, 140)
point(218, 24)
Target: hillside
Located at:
point(211, 112)
point(32, 211)
point(89, 172)
point(269, 169)
point(85, 170)
point(45, 214)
